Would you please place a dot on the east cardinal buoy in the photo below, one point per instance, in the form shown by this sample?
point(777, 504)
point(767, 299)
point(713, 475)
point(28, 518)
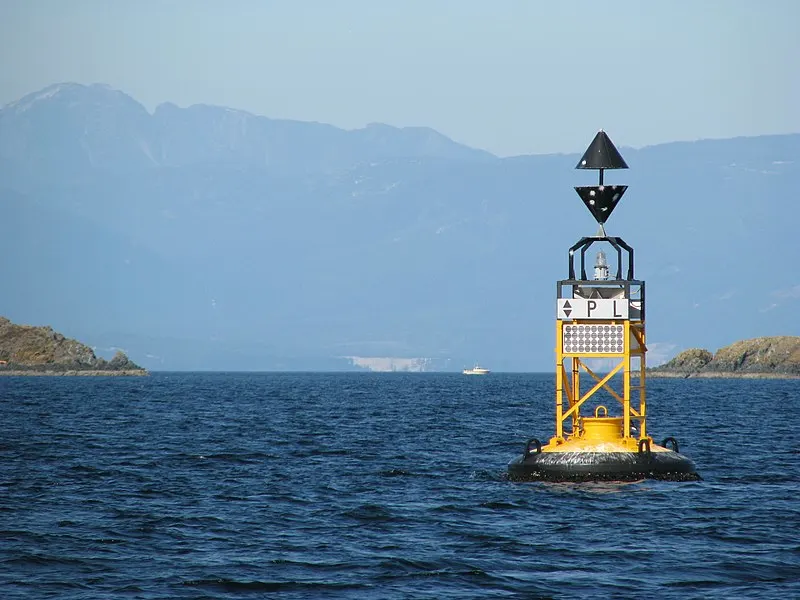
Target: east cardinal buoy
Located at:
point(601, 439)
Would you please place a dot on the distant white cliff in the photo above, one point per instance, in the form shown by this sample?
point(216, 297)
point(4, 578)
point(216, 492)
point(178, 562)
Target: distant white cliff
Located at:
point(385, 364)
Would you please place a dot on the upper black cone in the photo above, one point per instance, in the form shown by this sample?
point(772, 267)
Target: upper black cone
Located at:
point(601, 154)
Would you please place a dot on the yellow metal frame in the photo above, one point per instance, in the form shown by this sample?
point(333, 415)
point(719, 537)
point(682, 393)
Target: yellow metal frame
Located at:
point(568, 379)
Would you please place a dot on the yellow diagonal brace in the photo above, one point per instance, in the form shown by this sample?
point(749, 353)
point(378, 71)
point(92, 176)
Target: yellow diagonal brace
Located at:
point(606, 386)
point(588, 394)
point(637, 333)
point(619, 398)
point(567, 386)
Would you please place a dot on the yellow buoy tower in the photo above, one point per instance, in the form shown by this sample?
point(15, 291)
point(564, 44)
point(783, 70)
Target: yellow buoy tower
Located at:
point(601, 318)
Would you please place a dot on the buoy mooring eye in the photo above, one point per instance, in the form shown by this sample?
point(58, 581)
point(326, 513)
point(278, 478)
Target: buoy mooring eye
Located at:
point(644, 447)
point(536, 444)
point(601, 316)
point(670, 441)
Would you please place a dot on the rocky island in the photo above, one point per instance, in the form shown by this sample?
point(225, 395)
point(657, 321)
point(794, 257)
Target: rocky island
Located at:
point(30, 350)
point(764, 357)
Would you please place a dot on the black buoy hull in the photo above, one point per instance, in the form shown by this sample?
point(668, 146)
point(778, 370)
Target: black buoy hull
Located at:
point(602, 466)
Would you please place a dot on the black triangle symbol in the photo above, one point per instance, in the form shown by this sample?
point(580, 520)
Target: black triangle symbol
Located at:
point(601, 154)
point(567, 311)
point(601, 200)
point(567, 304)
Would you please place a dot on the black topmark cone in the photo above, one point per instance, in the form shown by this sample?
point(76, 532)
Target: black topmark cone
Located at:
point(601, 200)
point(602, 154)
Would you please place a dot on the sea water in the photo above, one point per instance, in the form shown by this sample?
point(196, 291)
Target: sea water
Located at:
point(366, 485)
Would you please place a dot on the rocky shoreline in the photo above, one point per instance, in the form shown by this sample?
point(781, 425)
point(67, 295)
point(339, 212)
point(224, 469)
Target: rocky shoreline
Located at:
point(718, 375)
point(27, 350)
point(73, 373)
point(775, 357)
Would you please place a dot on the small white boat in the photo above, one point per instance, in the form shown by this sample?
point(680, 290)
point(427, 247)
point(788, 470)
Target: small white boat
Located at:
point(476, 370)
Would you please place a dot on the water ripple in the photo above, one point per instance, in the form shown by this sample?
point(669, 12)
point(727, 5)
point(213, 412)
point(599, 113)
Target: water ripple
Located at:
point(223, 486)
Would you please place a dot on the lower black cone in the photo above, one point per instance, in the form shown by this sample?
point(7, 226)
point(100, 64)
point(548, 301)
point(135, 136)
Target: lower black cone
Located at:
point(601, 200)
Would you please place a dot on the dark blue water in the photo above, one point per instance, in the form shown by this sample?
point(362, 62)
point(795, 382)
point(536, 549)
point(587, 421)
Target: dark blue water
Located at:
point(380, 486)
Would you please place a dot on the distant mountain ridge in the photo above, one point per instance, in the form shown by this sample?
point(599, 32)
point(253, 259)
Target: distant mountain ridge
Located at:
point(209, 238)
point(102, 128)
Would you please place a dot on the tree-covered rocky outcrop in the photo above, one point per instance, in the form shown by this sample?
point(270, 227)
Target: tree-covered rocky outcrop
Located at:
point(777, 356)
point(32, 350)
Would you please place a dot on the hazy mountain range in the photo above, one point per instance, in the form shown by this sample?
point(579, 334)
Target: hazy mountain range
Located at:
point(210, 238)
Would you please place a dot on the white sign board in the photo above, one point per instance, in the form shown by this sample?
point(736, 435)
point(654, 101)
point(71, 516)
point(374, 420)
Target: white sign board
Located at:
point(600, 308)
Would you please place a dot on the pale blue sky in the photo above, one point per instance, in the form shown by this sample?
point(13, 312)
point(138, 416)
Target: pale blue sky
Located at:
point(508, 76)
